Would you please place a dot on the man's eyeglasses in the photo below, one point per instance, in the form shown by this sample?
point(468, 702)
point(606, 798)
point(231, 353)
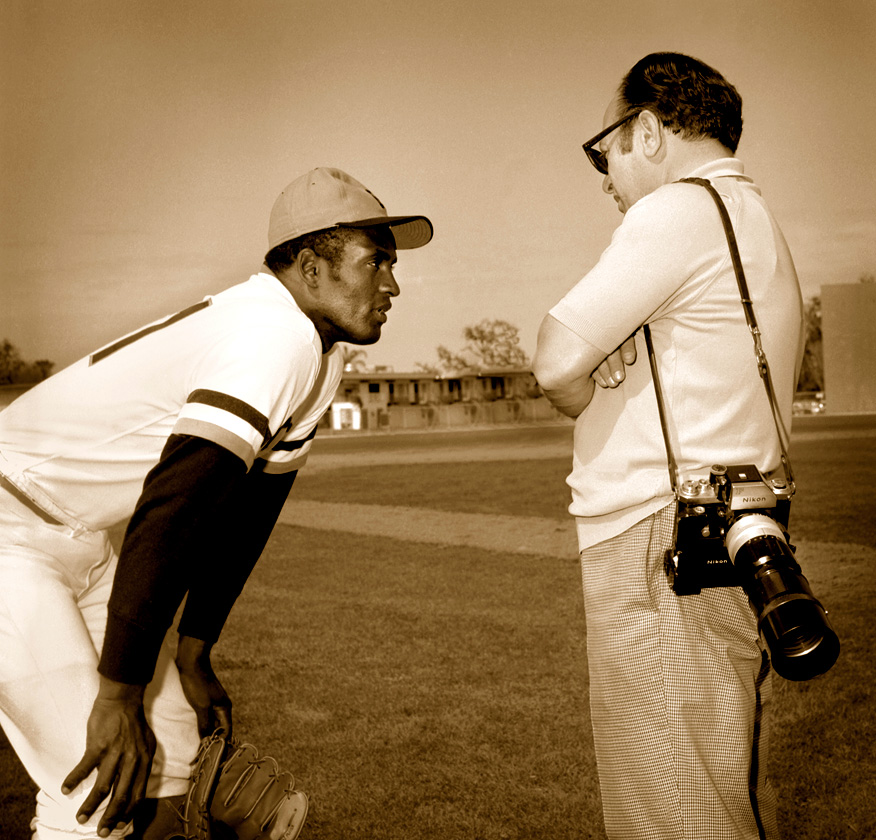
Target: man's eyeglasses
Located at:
point(594, 155)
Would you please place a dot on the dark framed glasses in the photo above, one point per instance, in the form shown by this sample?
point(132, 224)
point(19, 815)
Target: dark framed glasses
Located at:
point(594, 155)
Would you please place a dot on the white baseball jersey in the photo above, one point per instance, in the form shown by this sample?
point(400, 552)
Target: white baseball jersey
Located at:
point(243, 368)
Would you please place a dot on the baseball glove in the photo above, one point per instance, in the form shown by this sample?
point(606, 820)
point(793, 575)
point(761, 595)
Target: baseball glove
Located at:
point(235, 793)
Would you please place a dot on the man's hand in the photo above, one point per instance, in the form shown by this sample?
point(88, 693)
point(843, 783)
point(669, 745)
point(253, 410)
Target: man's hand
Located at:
point(120, 745)
point(202, 688)
point(610, 372)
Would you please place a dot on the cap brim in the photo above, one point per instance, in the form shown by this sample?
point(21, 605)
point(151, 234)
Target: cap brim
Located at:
point(409, 231)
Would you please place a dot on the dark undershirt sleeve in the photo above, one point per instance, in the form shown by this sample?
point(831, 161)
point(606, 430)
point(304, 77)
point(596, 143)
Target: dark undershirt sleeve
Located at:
point(239, 541)
point(174, 540)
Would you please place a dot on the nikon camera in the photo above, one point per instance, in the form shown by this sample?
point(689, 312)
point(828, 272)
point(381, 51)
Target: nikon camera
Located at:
point(732, 529)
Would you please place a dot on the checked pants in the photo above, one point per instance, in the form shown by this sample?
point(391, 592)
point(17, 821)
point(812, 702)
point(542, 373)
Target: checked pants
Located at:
point(678, 691)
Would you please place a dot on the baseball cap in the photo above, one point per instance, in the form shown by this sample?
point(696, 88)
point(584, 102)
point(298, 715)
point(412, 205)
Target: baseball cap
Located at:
point(325, 198)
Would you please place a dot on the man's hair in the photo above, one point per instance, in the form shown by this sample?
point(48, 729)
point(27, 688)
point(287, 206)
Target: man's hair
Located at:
point(328, 244)
point(689, 97)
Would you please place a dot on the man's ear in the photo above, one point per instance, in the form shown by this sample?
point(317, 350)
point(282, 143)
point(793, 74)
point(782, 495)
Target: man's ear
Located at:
point(308, 265)
point(652, 133)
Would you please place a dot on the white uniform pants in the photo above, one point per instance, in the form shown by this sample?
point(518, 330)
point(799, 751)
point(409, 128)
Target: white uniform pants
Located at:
point(678, 690)
point(54, 589)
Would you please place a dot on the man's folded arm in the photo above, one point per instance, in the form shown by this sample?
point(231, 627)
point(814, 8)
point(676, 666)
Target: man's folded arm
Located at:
point(563, 365)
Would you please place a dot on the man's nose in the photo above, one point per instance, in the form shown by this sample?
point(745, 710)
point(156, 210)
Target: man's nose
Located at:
point(389, 284)
point(607, 185)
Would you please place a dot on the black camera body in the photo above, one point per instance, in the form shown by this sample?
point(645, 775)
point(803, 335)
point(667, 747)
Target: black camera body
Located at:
point(707, 510)
point(732, 530)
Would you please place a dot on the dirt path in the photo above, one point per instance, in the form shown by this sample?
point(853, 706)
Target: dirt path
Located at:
point(513, 534)
point(554, 444)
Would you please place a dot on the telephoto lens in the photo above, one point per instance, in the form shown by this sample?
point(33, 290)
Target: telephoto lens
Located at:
point(794, 624)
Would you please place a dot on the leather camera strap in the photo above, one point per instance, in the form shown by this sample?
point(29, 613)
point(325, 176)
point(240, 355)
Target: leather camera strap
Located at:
point(762, 364)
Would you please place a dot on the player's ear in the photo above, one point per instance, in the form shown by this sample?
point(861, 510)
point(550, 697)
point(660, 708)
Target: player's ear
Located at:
point(309, 266)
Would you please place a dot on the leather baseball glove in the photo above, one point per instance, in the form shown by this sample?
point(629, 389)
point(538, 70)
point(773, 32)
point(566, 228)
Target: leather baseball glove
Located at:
point(235, 793)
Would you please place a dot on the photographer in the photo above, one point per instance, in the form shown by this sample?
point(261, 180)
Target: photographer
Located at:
point(678, 685)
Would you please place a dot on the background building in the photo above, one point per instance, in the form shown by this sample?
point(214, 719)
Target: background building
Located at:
point(386, 400)
point(848, 324)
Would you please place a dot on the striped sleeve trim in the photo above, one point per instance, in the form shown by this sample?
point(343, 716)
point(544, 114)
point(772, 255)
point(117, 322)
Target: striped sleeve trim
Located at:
point(288, 455)
point(275, 467)
point(217, 417)
point(293, 445)
point(217, 434)
point(232, 405)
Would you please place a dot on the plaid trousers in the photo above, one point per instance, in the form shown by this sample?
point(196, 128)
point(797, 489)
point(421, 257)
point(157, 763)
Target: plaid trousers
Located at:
point(678, 691)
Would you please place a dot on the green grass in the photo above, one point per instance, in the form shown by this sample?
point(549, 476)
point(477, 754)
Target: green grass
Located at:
point(519, 488)
point(426, 691)
point(833, 502)
point(421, 691)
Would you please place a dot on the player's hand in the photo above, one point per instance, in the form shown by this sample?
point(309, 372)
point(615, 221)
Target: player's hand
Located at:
point(120, 746)
point(611, 371)
point(202, 688)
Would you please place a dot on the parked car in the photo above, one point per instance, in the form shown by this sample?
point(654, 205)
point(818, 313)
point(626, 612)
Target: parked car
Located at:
point(809, 402)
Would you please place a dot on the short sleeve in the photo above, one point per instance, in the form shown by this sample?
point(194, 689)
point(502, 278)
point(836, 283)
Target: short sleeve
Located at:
point(290, 446)
point(663, 241)
point(246, 386)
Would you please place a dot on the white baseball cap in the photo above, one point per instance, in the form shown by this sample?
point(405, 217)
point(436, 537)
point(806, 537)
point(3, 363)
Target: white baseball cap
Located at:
point(325, 198)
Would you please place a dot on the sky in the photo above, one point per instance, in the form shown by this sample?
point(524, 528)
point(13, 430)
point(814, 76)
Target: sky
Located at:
point(144, 142)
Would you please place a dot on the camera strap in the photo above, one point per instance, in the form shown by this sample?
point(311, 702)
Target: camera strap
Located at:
point(762, 364)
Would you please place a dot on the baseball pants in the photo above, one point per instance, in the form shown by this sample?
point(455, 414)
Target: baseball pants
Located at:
point(54, 589)
point(678, 691)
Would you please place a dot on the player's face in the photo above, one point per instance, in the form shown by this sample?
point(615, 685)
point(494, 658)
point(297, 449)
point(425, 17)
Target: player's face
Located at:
point(357, 297)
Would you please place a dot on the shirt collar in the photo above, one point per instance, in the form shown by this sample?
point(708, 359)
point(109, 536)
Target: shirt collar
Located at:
point(722, 167)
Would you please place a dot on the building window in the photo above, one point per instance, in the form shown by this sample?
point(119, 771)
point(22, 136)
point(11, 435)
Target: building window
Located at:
point(373, 387)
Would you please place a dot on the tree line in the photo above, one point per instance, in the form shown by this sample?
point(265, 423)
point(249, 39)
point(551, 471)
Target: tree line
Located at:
point(490, 344)
point(496, 344)
point(14, 370)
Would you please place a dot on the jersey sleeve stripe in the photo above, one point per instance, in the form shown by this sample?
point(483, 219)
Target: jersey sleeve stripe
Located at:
point(130, 339)
point(292, 445)
point(234, 406)
point(216, 434)
point(282, 467)
point(229, 424)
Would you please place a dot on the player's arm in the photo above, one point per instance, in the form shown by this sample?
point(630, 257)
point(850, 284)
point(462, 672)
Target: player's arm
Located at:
point(218, 578)
point(567, 367)
point(183, 501)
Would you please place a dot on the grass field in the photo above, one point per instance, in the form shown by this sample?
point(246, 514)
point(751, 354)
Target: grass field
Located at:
point(421, 686)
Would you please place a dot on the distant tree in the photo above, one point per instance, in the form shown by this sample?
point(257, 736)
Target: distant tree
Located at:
point(867, 277)
point(448, 361)
point(14, 370)
point(11, 362)
point(427, 367)
point(43, 368)
point(812, 370)
point(495, 344)
point(489, 344)
point(354, 358)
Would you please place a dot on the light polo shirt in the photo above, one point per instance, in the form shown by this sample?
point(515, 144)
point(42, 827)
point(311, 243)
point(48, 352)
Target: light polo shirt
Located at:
point(668, 265)
point(243, 368)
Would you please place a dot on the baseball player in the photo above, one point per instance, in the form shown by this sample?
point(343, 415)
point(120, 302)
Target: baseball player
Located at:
point(194, 428)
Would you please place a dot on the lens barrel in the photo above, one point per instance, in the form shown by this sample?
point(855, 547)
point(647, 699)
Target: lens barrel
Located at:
point(793, 622)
